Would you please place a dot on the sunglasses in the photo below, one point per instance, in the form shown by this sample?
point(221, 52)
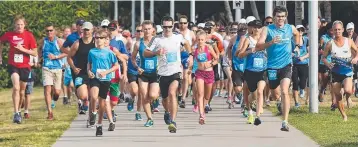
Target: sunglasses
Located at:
point(86, 30)
point(111, 29)
point(183, 22)
point(167, 27)
point(269, 22)
point(49, 30)
point(100, 37)
point(104, 27)
point(138, 31)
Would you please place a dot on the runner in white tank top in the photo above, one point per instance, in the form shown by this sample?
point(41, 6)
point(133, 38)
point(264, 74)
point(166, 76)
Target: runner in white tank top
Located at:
point(341, 49)
point(186, 62)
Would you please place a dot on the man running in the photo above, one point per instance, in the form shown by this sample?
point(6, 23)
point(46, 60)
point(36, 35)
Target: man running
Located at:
point(148, 84)
point(22, 45)
point(276, 39)
point(77, 59)
point(344, 53)
point(190, 37)
point(51, 55)
point(167, 48)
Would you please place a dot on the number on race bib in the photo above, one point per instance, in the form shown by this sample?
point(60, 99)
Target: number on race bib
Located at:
point(78, 81)
point(258, 63)
point(202, 57)
point(272, 75)
point(18, 58)
point(97, 74)
point(171, 57)
point(149, 64)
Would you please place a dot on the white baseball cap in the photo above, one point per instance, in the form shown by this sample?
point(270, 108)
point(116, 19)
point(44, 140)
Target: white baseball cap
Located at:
point(242, 20)
point(105, 23)
point(250, 18)
point(300, 26)
point(87, 25)
point(350, 26)
point(201, 25)
point(159, 28)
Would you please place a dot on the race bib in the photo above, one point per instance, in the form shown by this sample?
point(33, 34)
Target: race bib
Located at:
point(149, 64)
point(171, 57)
point(202, 57)
point(111, 75)
point(272, 75)
point(78, 81)
point(258, 63)
point(241, 67)
point(18, 58)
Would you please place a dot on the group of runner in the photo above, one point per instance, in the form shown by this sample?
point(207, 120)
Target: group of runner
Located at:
point(249, 58)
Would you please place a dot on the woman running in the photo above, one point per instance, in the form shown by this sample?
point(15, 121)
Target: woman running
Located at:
point(206, 58)
point(255, 69)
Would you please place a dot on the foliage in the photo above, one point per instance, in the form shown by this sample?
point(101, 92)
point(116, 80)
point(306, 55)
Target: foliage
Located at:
point(38, 14)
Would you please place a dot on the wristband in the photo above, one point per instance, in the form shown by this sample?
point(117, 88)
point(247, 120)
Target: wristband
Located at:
point(299, 46)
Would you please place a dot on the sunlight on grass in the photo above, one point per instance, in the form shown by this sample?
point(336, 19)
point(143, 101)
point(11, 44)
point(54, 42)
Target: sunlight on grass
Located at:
point(326, 128)
point(37, 131)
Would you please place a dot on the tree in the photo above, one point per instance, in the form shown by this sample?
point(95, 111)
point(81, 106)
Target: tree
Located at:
point(254, 9)
point(327, 10)
point(228, 11)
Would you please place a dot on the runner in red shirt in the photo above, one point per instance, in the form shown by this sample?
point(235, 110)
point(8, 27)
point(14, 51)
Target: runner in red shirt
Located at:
point(22, 45)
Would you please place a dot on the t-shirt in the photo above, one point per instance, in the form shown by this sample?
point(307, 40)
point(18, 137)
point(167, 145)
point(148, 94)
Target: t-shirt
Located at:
point(170, 62)
point(72, 38)
point(102, 60)
point(27, 40)
point(119, 45)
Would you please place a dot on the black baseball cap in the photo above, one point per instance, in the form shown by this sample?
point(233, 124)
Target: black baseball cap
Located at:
point(80, 22)
point(255, 23)
point(112, 26)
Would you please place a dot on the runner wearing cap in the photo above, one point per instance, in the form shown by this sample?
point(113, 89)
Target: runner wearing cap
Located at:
point(352, 35)
point(217, 45)
point(105, 23)
point(300, 65)
point(77, 59)
point(277, 40)
point(254, 70)
point(22, 45)
point(51, 55)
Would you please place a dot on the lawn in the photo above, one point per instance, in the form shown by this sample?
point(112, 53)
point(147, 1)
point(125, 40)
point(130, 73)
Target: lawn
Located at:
point(327, 127)
point(37, 131)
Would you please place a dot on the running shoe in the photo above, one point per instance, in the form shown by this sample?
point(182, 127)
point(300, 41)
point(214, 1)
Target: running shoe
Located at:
point(302, 93)
point(149, 123)
point(172, 127)
point(279, 108)
point(202, 119)
point(114, 115)
point(245, 112)
point(257, 121)
point(250, 119)
point(297, 105)
point(92, 119)
point(65, 101)
point(167, 119)
point(130, 105)
point(50, 116)
point(207, 109)
point(26, 115)
point(53, 104)
point(182, 104)
point(111, 126)
point(99, 131)
point(138, 117)
point(17, 118)
point(285, 126)
point(195, 108)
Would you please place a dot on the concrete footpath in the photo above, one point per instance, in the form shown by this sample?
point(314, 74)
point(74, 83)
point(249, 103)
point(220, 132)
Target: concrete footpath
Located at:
point(224, 127)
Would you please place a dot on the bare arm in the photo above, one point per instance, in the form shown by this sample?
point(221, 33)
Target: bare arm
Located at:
point(261, 44)
point(326, 52)
point(39, 50)
point(242, 52)
point(354, 51)
point(72, 52)
point(134, 55)
point(229, 47)
point(60, 44)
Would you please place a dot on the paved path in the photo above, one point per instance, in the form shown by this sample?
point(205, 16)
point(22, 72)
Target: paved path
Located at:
point(224, 128)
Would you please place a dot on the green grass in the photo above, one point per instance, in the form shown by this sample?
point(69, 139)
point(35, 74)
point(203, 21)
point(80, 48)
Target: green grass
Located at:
point(327, 127)
point(37, 131)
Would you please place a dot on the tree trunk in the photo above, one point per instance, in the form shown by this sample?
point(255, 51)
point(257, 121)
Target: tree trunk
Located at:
point(327, 10)
point(298, 12)
point(228, 11)
point(254, 9)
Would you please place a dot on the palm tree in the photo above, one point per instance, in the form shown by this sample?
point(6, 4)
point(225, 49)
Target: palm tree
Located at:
point(254, 9)
point(228, 11)
point(327, 10)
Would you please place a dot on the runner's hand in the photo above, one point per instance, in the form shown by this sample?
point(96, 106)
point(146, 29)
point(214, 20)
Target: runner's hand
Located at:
point(276, 40)
point(90, 74)
point(77, 70)
point(124, 78)
point(51, 56)
point(331, 65)
point(140, 71)
point(354, 61)
point(102, 74)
